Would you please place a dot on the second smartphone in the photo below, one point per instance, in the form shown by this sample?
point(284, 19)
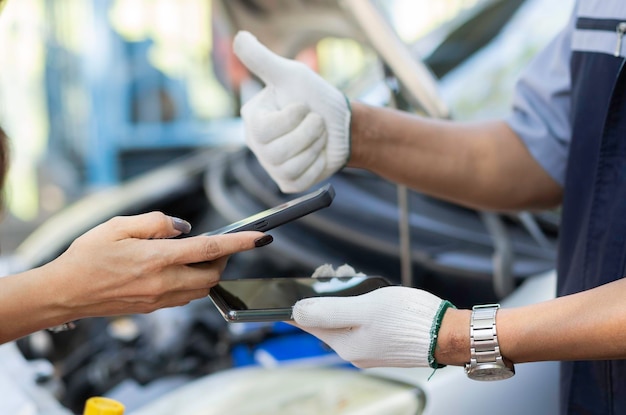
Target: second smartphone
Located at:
point(272, 299)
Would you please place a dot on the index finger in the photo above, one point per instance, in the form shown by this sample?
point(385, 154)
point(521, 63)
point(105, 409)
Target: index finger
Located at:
point(203, 248)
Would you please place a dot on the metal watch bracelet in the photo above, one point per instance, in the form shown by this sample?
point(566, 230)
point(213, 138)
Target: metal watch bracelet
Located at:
point(486, 361)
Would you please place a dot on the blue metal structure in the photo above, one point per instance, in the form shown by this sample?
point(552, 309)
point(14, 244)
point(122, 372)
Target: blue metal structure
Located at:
point(112, 114)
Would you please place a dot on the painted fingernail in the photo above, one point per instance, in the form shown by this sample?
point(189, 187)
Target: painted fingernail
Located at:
point(181, 225)
point(263, 240)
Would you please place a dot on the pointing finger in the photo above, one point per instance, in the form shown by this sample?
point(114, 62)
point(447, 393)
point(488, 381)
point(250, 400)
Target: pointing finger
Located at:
point(208, 248)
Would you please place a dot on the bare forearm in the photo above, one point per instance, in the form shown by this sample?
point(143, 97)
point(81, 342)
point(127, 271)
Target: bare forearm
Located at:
point(26, 305)
point(588, 325)
point(584, 326)
point(126, 265)
point(482, 165)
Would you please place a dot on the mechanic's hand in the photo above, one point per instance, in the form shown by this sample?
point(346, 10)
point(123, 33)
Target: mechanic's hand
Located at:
point(298, 126)
point(327, 270)
point(388, 327)
point(127, 265)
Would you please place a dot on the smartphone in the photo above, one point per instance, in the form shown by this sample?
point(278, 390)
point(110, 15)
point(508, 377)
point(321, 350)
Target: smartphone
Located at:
point(283, 213)
point(272, 299)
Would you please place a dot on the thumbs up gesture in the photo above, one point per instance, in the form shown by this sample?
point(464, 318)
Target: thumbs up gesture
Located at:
point(298, 126)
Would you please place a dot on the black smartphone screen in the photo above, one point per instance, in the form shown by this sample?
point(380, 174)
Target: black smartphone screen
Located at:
point(271, 299)
point(283, 213)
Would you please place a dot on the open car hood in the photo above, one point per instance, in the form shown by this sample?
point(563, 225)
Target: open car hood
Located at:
point(287, 27)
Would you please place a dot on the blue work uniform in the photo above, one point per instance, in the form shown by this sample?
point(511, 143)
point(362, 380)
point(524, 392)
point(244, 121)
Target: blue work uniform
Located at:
point(570, 111)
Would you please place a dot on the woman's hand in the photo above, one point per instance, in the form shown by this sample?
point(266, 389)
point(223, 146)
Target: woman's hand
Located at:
point(126, 265)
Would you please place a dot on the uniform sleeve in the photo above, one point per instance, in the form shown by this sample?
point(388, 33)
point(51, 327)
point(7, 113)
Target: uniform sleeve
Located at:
point(541, 106)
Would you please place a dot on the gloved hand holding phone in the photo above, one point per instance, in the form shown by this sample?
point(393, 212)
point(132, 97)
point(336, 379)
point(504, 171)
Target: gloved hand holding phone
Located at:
point(298, 126)
point(388, 327)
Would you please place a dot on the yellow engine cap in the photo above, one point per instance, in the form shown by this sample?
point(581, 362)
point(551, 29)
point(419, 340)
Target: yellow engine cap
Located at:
point(98, 405)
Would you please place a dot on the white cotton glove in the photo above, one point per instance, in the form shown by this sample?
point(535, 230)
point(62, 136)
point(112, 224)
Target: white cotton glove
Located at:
point(298, 126)
point(388, 327)
point(327, 270)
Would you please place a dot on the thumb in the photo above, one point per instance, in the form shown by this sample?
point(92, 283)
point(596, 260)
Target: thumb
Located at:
point(328, 312)
point(261, 61)
point(147, 226)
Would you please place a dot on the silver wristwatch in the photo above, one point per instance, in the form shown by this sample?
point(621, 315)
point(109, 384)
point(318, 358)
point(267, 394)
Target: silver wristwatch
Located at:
point(486, 362)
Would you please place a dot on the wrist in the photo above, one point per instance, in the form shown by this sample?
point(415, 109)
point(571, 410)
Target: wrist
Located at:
point(24, 313)
point(486, 360)
point(359, 154)
point(57, 304)
point(453, 342)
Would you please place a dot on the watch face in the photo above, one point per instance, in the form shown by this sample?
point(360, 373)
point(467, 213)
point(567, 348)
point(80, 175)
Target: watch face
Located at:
point(489, 372)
